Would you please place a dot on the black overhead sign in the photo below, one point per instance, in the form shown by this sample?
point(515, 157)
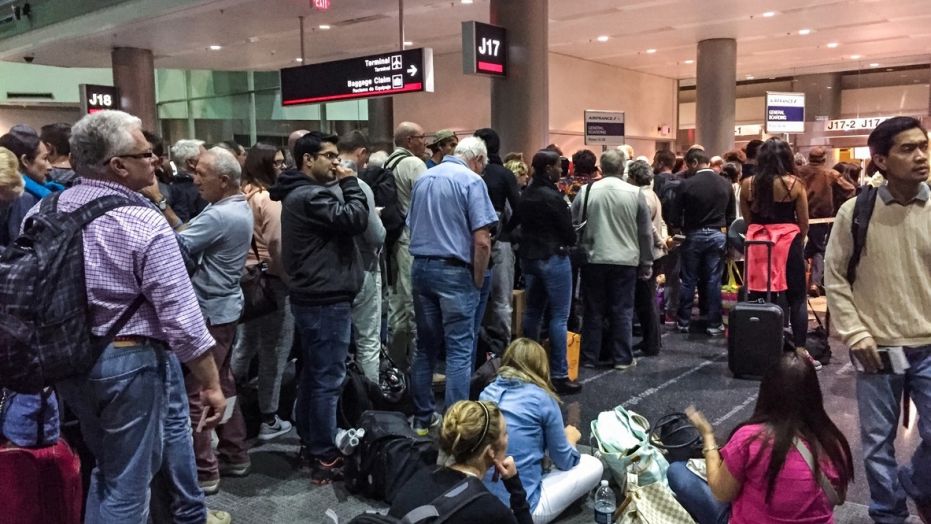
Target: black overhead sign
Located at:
point(387, 74)
point(97, 98)
point(484, 49)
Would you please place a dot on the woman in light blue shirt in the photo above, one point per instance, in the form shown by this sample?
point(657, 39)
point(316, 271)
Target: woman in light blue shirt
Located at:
point(523, 392)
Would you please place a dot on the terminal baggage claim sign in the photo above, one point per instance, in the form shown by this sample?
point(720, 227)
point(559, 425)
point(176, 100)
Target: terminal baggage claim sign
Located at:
point(785, 112)
point(408, 71)
point(484, 49)
point(604, 128)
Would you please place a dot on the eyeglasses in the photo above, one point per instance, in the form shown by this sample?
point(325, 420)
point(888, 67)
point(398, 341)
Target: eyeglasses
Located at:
point(331, 156)
point(138, 156)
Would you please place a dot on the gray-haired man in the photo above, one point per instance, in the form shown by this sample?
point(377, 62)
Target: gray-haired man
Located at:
point(219, 238)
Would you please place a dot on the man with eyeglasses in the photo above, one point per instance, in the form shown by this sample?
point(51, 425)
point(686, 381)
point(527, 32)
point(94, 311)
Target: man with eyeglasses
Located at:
point(131, 252)
point(323, 208)
point(406, 165)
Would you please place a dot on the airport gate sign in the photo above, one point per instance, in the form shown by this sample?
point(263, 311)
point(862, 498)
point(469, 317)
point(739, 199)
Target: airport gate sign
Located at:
point(97, 98)
point(484, 49)
point(604, 128)
point(785, 112)
point(408, 71)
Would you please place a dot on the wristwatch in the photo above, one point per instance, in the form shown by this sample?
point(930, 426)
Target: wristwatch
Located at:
point(162, 204)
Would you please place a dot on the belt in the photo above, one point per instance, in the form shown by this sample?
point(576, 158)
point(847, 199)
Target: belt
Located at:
point(129, 341)
point(449, 261)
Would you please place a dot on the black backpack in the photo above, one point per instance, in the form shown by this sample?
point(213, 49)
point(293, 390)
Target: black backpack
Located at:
point(45, 331)
point(862, 211)
point(439, 510)
point(669, 200)
point(388, 456)
point(385, 189)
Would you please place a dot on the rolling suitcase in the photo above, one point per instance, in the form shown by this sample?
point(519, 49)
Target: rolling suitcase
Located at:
point(755, 329)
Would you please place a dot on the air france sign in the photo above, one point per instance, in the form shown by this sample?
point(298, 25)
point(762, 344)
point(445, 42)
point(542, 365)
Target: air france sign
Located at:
point(407, 71)
point(785, 112)
point(605, 128)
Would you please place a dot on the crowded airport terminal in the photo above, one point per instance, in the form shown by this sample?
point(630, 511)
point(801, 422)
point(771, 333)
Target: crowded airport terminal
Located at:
point(465, 261)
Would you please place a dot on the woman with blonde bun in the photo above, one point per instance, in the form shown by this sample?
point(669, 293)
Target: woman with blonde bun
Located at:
point(474, 436)
point(523, 392)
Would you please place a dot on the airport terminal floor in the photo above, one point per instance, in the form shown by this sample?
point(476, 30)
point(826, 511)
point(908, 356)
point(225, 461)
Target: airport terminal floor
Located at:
point(690, 369)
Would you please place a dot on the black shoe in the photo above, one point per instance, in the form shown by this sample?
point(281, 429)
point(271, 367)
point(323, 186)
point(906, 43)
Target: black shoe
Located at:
point(564, 386)
point(326, 471)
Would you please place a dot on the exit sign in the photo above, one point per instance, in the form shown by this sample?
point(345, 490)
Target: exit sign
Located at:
point(320, 5)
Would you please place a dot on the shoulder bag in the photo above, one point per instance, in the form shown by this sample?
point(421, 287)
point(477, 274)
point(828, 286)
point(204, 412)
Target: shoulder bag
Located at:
point(258, 296)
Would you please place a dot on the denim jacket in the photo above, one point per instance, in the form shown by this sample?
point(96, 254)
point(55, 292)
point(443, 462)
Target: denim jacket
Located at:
point(535, 429)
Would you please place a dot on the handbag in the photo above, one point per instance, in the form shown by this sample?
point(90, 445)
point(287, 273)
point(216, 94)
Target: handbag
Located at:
point(579, 252)
point(677, 436)
point(258, 296)
point(622, 443)
point(651, 504)
point(730, 291)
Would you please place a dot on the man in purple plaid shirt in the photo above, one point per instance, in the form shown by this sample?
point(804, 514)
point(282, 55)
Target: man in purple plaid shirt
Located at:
point(122, 401)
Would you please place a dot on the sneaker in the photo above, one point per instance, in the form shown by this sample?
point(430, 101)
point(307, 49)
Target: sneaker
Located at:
point(422, 429)
point(564, 386)
point(715, 331)
point(271, 431)
point(625, 367)
point(210, 487)
point(218, 517)
point(439, 378)
point(229, 469)
point(682, 327)
point(326, 472)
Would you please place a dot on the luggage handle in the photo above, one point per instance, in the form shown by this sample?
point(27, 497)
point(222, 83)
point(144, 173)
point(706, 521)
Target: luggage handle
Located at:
point(769, 264)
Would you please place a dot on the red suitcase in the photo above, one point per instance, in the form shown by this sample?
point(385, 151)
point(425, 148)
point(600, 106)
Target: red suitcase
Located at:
point(40, 485)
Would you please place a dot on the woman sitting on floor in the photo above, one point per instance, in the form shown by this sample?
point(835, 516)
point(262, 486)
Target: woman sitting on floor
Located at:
point(788, 463)
point(523, 392)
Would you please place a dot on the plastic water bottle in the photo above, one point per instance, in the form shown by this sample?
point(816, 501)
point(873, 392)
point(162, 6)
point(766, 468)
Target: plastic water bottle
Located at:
point(605, 504)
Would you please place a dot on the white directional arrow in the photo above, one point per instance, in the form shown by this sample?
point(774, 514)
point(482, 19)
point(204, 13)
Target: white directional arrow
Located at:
point(412, 70)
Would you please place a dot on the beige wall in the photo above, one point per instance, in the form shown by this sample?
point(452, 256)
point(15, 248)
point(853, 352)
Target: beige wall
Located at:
point(648, 101)
point(36, 116)
point(894, 100)
point(463, 102)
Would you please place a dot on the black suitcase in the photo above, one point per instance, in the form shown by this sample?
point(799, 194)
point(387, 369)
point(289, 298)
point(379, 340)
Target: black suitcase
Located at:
point(755, 329)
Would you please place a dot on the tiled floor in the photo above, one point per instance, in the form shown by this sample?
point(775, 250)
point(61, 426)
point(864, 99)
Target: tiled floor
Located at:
point(691, 369)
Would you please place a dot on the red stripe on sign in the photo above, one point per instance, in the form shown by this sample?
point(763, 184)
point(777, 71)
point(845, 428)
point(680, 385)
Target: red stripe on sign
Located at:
point(488, 66)
point(406, 89)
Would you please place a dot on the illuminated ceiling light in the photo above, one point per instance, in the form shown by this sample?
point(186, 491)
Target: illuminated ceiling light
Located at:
point(408, 43)
point(804, 32)
point(602, 38)
point(651, 51)
point(874, 64)
point(324, 26)
point(298, 59)
point(253, 39)
point(749, 77)
point(769, 14)
point(855, 57)
point(466, 1)
point(832, 45)
point(215, 47)
point(689, 61)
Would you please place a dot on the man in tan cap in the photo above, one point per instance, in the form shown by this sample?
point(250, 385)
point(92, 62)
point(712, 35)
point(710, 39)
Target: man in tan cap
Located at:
point(444, 143)
point(827, 190)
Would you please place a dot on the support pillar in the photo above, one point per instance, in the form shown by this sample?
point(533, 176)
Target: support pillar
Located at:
point(716, 94)
point(381, 123)
point(822, 94)
point(520, 103)
point(134, 75)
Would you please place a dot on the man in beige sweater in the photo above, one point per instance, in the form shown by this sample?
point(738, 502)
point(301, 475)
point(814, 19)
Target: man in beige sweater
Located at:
point(886, 310)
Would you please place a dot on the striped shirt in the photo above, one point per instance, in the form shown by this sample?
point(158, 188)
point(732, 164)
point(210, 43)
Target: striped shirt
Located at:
point(133, 250)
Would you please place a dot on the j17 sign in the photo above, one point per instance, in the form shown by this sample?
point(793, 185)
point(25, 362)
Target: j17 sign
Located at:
point(484, 49)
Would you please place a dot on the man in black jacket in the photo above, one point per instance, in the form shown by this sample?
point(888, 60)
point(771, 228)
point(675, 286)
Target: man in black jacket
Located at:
point(323, 207)
point(502, 189)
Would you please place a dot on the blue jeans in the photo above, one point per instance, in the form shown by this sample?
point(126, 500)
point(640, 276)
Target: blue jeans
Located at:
point(608, 288)
point(879, 400)
point(549, 282)
point(121, 404)
point(484, 295)
point(695, 496)
point(178, 463)
point(324, 334)
point(445, 303)
point(702, 265)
